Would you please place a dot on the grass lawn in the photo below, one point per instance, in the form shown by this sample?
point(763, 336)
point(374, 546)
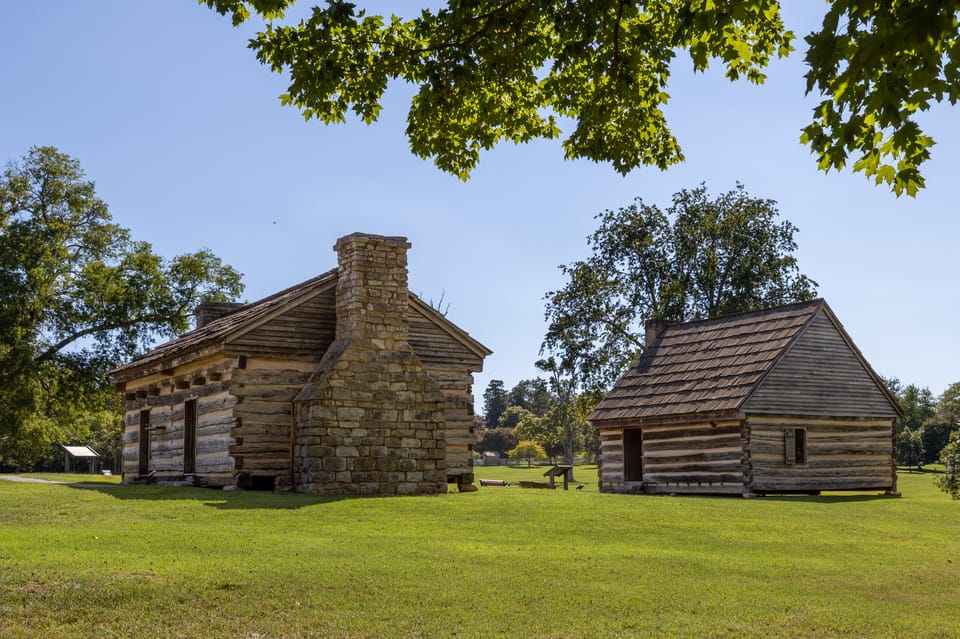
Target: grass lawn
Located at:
point(143, 561)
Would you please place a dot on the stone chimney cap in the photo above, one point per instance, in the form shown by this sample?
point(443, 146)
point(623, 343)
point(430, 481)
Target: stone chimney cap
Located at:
point(395, 240)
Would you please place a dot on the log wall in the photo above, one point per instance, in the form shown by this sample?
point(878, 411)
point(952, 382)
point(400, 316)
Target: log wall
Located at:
point(207, 381)
point(698, 458)
point(840, 455)
point(263, 428)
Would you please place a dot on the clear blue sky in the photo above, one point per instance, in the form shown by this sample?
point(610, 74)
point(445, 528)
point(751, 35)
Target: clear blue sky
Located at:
point(181, 129)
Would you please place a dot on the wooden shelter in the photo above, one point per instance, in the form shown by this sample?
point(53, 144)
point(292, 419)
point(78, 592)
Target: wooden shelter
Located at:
point(772, 401)
point(344, 384)
point(74, 456)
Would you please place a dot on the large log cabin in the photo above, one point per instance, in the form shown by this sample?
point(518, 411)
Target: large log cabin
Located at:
point(344, 384)
point(772, 401)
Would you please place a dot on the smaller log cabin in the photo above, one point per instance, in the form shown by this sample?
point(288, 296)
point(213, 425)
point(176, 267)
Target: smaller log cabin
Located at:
point(772, 401)
point(344, 384)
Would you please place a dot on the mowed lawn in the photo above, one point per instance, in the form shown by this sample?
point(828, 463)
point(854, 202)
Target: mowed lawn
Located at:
point(135, 561)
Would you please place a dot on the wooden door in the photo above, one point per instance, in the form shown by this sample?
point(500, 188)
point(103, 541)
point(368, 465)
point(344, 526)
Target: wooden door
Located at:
point(190, 437)
point(144, 457)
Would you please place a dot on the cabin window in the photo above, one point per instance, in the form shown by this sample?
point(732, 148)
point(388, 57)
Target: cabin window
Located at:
point(632, 454)
point(795, 445)
point(144, 456)
point(190, 437)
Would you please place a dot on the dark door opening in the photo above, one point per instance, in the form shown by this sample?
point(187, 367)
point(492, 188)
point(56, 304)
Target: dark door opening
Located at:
point(632, 454)
point(143, 466)
point(190, 437)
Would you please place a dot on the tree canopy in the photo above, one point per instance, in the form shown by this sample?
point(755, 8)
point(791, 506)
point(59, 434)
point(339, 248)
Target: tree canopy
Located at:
point(77, 297)
point(700, 258)
point(493, 70)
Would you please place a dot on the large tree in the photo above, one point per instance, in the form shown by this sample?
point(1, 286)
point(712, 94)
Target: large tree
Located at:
point(493, 70)
point(494, 403)
point(77, 297)
point(699, 258)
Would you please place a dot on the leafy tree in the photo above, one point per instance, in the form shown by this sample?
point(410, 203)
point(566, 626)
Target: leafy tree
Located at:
point(918, 406)
point(497, 440)
point(941, 423)
point(493, 70)
point(512, 416)
point(700, 258)
point(494, 402)
point(950, 480)
point(77, 297)
point(528, 450)
point(531, 394)
point(909, 448)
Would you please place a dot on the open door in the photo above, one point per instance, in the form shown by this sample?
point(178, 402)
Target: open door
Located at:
point(190, 437)
point(632, 454)
point(144, 457)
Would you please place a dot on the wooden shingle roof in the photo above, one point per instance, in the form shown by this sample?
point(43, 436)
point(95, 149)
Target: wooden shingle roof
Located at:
point(216, 331)
point(214, 334)
point(709, 366)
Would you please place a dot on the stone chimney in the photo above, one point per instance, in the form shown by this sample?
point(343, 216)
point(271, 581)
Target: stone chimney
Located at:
point(206, 312)
point(653, 328)
point(371, 420)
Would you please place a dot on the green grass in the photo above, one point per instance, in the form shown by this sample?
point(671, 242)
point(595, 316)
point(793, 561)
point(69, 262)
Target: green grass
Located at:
point(75, 478)
point(131, 561)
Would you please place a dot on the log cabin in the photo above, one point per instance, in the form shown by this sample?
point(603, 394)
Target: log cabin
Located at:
point(771, 401)
point(344, 384)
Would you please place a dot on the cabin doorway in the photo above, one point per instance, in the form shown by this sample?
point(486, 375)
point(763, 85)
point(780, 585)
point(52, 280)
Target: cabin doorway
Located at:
point(190, 437)
point(632, 454)
point(143, 465)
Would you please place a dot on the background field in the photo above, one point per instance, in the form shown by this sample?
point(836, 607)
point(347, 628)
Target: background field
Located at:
point(119, 561)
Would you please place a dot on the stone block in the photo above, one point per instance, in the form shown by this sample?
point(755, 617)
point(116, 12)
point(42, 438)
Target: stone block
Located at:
point(347, 451)
point(316, 451)
point(408, 442)
point(364, 463)
point(334, 463)
point(415, 476)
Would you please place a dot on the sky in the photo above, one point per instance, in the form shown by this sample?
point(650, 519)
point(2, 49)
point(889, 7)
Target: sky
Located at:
point(182, 131)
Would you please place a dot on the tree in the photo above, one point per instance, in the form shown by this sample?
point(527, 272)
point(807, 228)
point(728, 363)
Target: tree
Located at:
point(918, 406)
point(941, 422)
point(531, 394)
point(77, 297)
point(497, 440)
point(494, 403)
point(512, 416)
point(700, 258)
point(528, 450)
point(493, 70)
point(908, 449)
point(950, 480)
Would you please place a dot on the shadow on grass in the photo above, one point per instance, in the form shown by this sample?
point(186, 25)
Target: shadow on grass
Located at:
point(827, 499)
point(220, 499)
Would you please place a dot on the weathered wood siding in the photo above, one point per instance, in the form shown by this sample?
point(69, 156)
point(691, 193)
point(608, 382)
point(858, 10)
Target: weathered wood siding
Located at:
point(701, 457)
point(820, 376)
point(206, 381)
point(304, 331)
point(264, 416)
point(610, 462)
point(840, 455)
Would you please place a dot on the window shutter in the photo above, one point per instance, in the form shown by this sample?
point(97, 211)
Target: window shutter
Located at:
point(790, 446)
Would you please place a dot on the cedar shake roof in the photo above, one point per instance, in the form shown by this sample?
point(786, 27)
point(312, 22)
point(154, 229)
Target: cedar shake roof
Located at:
point(250, 315)
point(710, 366)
